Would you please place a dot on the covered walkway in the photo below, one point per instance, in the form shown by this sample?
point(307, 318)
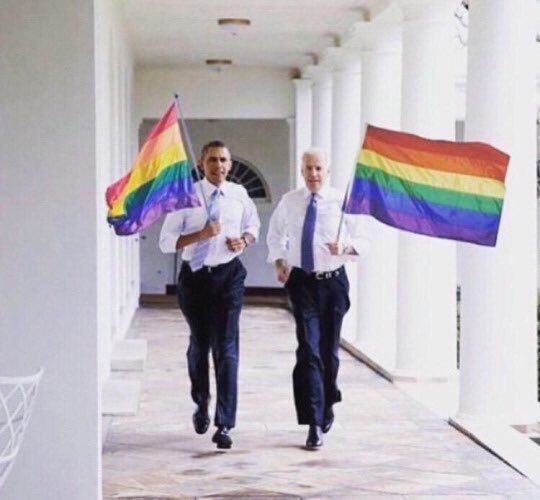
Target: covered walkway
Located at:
point(383, 444)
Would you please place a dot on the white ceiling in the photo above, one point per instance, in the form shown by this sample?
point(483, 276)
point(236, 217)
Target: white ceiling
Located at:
point(282, 32)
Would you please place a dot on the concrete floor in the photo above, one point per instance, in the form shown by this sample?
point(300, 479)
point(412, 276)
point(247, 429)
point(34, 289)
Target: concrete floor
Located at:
point(383, 444)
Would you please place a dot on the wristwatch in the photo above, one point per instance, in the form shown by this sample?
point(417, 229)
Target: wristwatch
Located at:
point(244, 239)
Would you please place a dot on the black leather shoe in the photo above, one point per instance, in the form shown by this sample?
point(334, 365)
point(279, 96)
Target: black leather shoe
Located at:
point(201, 420)
point(221, 438)
point(314, 437)
point(328, 420)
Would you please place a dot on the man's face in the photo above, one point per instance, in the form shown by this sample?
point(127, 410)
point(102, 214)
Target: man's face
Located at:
point(216, 165)
point(314, 172)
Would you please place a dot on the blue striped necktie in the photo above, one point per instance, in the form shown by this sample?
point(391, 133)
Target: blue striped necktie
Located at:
point(203, 247)
point(308, 231)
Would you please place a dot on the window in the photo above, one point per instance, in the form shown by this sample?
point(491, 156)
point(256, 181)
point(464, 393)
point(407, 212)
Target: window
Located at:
point(246, 174)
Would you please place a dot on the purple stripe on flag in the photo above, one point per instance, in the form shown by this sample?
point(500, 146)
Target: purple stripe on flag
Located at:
point(411, 203)
point(419, 225)
point(168, 198)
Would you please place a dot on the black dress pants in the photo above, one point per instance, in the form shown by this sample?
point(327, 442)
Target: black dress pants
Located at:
point(319, 306)
point(211, 300)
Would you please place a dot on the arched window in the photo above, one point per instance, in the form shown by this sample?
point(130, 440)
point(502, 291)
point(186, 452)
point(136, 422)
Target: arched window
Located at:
point(246, 174)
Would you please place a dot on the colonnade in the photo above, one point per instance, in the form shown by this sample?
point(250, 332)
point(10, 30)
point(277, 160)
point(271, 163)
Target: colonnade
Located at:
point(400, 74)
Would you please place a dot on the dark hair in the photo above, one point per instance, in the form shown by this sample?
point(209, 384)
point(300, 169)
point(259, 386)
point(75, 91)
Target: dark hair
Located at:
point(216, 143)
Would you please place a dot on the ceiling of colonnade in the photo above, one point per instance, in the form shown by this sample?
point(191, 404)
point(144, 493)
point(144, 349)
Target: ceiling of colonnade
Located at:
point(283, 33)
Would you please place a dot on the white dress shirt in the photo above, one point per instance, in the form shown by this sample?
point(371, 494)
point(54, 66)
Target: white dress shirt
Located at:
point(284, 237)
point(238, 215)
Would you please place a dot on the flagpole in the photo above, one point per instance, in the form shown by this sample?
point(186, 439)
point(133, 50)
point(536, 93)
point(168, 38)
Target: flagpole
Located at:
point(345, 198)
point(190, 153)
point(342, 212)
point(347, 191)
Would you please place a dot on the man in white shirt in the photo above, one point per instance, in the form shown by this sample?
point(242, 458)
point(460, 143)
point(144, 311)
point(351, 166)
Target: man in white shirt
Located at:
point(211, 284)
point(302, 242)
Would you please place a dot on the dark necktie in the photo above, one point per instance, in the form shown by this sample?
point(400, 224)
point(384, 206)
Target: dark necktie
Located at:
point(203, 247)
point(308, 231)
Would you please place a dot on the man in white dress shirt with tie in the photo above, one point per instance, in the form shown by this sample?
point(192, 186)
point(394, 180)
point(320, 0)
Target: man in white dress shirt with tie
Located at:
point(308, 260)
point(211, 284)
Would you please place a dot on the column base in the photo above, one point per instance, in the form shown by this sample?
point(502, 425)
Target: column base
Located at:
point(399, 375)
point(357, 353)
point(504, 441)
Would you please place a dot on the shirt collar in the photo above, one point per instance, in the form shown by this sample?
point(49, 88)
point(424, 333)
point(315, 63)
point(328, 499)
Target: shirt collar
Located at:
point(322, 193)
point(209, 188)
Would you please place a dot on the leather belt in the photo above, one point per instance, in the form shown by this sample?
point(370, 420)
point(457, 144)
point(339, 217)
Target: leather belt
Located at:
point(210, 269)
point(322, 275)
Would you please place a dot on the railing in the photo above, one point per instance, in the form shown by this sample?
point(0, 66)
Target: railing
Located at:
point(17, 395)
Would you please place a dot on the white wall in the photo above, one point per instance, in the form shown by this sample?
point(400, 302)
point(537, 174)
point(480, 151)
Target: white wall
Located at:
point(48, 256)
point(264, 144)
point(237, 92)
point(248, 104)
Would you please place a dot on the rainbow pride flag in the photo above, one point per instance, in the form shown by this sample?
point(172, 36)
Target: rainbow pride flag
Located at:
point(445, 189)
point(159, 182)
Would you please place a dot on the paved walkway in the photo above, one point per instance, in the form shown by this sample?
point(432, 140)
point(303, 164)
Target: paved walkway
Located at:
point(383, 444)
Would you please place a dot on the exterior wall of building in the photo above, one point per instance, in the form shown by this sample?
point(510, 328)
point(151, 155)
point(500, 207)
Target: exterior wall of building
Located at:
point(237, 92)
point(246, 107)
point(264, 144)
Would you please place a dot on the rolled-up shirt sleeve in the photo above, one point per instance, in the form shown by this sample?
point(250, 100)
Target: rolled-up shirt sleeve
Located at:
point(276, 239)
point(170, 231)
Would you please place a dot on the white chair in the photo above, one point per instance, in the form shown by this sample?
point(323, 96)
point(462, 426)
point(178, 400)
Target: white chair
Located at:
point(17, 396)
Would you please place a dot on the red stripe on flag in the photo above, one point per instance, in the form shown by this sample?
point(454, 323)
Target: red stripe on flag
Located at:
point(115, 190)
point(470, 150)
point(434, 161)
point(166, 121)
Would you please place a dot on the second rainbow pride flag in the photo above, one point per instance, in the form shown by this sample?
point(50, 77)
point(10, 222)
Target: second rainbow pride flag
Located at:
point(438, 188)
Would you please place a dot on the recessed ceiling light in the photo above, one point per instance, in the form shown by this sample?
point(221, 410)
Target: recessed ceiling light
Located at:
point(233, 25)
point(218, 64)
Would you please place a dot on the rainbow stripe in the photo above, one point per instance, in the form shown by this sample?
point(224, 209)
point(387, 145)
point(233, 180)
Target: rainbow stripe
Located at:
point(159, 182)
point(444, 189)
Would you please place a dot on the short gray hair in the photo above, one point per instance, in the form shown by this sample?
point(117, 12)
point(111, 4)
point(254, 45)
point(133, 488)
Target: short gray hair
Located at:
point(321, 152)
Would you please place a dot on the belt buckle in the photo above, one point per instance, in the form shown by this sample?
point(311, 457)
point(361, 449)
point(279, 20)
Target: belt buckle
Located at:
point(320, 275)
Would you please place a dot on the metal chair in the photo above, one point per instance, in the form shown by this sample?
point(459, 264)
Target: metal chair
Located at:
point(17, 396)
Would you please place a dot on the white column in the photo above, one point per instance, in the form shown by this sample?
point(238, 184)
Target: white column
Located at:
point(498, 379)
point(345, 134)
point(48, 276)
point(346, 67)
point(322, 106)
point(426, 312)
point(302, 126)
point(377, 276)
